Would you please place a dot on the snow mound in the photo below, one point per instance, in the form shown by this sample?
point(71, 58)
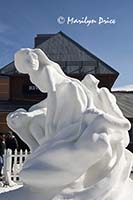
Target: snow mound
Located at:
point(126, 88)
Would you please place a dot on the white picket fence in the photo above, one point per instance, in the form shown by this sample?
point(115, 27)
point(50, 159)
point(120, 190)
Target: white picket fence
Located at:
point(13, 163)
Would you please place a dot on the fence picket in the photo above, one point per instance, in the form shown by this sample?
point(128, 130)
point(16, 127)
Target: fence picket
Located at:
point(13, 163)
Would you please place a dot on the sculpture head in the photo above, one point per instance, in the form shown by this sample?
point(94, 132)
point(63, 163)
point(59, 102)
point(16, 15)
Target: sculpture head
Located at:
point(28, 60)
point(43, 72)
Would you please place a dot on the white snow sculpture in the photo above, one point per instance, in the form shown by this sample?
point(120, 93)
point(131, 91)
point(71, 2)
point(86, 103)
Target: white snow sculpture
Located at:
point(77, 135)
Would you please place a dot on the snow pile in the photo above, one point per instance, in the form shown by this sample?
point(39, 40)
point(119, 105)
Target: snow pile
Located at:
point(78, 137)
point(126, 88)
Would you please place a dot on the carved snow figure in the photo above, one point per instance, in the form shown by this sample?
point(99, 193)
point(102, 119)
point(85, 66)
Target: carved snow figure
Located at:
point(77, 136)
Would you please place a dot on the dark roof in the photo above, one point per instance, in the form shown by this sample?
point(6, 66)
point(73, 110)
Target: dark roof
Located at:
point(62, 49)
point(42, 38)
point(8, 69)
point(125, 102)
point(8, 106)
point(4, 76)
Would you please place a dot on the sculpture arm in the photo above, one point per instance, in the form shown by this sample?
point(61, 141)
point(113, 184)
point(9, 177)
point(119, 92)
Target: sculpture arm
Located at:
point(22, 122)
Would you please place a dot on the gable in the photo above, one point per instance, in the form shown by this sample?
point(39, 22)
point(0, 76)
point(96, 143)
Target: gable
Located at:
point(125, 102)
point(9, 69)
point(72, 57)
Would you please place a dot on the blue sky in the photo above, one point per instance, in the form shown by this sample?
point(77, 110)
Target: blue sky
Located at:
point(20, 21)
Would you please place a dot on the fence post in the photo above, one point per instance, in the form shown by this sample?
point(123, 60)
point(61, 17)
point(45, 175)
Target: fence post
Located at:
point(14, 164)
point(7, 164)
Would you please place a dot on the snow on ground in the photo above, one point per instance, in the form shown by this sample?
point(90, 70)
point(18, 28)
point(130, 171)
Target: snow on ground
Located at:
point(127, 88)
point(8, 188)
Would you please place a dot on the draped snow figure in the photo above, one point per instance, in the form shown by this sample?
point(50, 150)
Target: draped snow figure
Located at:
point(77, 135)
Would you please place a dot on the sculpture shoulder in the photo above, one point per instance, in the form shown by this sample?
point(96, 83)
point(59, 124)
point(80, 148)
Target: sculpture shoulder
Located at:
point(70, 85)
point(73, 95)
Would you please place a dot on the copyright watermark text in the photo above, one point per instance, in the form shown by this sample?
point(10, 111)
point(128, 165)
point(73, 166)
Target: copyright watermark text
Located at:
point(86, 20)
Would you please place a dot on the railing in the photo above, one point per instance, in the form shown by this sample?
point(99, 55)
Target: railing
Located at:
point(13, 162)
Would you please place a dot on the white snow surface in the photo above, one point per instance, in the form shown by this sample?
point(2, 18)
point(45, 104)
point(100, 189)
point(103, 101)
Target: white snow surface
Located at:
point(127, 88)
point(78, 137)
point(8, 188)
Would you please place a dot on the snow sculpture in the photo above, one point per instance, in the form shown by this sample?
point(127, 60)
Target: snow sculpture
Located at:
point(77, 135)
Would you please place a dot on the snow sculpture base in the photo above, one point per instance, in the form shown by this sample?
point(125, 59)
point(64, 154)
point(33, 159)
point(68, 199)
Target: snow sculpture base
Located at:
point(78, 137)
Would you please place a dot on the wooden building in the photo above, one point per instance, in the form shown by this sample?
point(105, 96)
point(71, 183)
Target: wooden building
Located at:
point(17, 91)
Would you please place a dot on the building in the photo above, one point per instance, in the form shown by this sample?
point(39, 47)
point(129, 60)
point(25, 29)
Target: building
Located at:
point(17, 91)
point(125, 101)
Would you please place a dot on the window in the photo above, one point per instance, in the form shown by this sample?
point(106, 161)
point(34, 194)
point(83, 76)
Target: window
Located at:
point(73, 69)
